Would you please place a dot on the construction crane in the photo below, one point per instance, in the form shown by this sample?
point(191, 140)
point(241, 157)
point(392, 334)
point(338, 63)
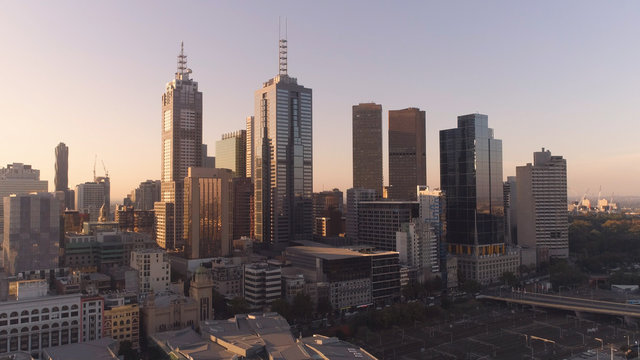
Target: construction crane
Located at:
point(106, 172)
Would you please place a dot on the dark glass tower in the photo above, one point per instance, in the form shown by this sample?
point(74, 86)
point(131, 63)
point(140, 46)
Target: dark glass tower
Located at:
point(407, 153)
point(62, 167)
point(471, 177)
point(283, 161)
point(367, 147)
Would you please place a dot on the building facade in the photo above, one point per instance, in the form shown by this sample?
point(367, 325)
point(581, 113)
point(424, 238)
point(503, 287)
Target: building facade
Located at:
point(543, 222)
point(231, 152)
point(31, 232)
point(262, 284)
point(122, 319)
point(283, 160)
point(407, 153)
point(354, 197)
point(154, 270)
point(181, 147)
point(378, 222)
point(61, 179)
point(92, 196)
point(367, 146)
point(208, 213)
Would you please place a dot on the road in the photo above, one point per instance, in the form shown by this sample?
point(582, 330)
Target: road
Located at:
point(565, 303)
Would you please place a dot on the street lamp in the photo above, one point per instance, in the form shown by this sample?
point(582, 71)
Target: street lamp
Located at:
point(601, 343)
point(638, 352)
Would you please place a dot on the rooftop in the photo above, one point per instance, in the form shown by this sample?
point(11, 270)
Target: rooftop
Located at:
point(333, 253)
point(333, 348)
point(102, 349)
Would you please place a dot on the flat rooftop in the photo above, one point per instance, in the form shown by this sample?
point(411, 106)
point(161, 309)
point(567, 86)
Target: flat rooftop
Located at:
point(333, 253)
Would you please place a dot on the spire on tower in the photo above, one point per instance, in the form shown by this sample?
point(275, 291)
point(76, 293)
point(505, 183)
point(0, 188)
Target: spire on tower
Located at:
point(283, 49)
point(183, 70)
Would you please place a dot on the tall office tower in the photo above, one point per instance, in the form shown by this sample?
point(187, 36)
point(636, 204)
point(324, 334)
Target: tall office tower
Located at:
point(242, 206)
point(407, 153)
point(181, 144)
point(328, 209)
point(62, 167)
point(283, 159)
point(92, 196)
point(231, 152)
point(208, 217)
point(146, 194)
point(354, 197)
point(18, 178)
point(542, 206)
point(207, 161)
point(164, 224)
point(31, 232)
point(367, 146)
point(510, 210)
point(471, 177)
point(250, 144)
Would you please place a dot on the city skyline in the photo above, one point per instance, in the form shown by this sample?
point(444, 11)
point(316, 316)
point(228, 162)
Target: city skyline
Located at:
point(560, 77)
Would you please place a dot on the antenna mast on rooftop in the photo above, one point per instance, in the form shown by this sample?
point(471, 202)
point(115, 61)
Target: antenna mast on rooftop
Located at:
point(282, 58)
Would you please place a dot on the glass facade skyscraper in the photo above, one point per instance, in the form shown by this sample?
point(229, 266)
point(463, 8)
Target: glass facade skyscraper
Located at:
point(283, 162)
point(471, 177)
point(231, 152)
point(367, 146)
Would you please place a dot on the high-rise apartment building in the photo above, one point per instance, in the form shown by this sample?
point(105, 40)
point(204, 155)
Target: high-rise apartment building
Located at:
point(231, 152)
point(283, 159)
point(407, 153)
point(208, 213)
point(471, 177)
point(262, 284)
point(31, 232)
point(354, 197)
point(92, 196)
point(181, 144)
point(367, 146)
point(61, 179)
point(543, 222)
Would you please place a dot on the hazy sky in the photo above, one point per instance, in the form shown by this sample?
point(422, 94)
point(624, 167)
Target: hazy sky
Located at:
point(563, 75)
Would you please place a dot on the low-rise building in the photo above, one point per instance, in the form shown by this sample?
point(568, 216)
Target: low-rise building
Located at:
point(122, 319)
point(168, 311)
point(102, 349)
point(227, 277)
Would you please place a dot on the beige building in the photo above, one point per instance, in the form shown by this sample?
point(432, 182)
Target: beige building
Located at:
point(208, 213)
point(122, 320)
point(169, 311)
point(201, 291)
point(154, 269)
point(487, 268)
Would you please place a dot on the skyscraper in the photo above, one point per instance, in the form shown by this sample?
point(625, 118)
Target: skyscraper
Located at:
point(208, 218)
point(471, 178)
point(231, 152)
point(250, 145)
point(31, 232)
point(354, 197)
point(92, 196)
point(367, 146)
point(407, 153)
point(181, 144)
point(283, 159)
point(62, 167)
point(542, 219)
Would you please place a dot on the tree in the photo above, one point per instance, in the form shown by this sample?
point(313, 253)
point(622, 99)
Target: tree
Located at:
point(471, 286)
point(220, 308)
point(324, 306)
point(282, 307)
point(238, 305)
point(509, 278)
point(302, 307)
point(126, 350)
